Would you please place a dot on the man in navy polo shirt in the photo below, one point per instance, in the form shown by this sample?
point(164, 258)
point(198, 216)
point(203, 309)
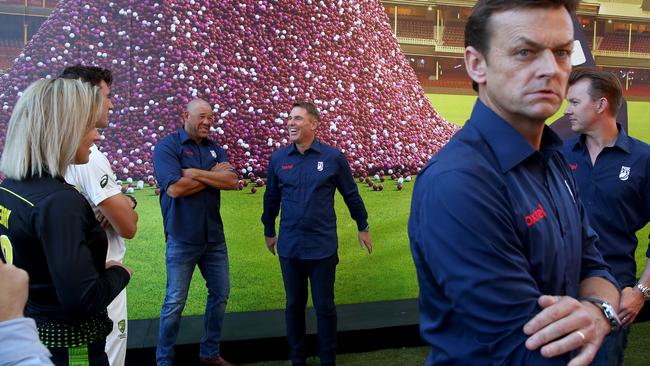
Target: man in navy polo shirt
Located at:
point(192, 170)
point(302, 179)
point(612, 171)
point(498, 234)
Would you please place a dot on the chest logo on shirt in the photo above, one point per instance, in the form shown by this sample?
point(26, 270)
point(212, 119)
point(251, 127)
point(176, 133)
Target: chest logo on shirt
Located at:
point(103, 181)
point(287, 167)
point(188, 153)
point(625, 173)
point(573, 166)
point(214, 153)
point(320, 166)
point(538, 214)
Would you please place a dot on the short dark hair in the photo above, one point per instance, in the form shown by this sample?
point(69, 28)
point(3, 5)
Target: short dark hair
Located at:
point(477, 29)
point(90, 74)
point(309, 107)
point(602, 84)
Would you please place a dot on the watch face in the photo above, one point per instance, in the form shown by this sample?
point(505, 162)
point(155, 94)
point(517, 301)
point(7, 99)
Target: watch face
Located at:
point(610, 313)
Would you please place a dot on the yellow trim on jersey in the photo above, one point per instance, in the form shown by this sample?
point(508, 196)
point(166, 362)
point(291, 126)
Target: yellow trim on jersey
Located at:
point(17, 195)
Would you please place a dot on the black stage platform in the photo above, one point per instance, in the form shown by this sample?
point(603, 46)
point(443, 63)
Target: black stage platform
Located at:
point(260, 336)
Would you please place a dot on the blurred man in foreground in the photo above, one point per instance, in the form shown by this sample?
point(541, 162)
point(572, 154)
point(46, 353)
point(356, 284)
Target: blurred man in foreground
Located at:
point(506, 262)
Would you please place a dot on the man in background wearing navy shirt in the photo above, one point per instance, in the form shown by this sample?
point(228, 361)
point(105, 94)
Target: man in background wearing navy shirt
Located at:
point(612, 171)
point(302, 179)
point(191, 171)
point(498, 234)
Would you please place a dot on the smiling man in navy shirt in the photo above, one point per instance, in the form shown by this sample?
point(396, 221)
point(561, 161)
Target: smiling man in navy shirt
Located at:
point(613, 172)
point(302, 179)
point(192, 170)
point(500, 239)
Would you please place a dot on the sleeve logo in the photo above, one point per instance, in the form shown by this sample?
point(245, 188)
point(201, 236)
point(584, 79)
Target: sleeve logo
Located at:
point(104, 181)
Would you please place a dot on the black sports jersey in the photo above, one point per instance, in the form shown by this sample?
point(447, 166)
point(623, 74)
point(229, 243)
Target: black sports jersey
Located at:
point(48, 229)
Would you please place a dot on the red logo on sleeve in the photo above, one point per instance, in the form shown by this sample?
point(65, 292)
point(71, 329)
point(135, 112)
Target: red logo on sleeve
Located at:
point(535, 216)
point(287, 167)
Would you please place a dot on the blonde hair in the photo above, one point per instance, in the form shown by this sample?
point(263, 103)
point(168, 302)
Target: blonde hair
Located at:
point(47, 125)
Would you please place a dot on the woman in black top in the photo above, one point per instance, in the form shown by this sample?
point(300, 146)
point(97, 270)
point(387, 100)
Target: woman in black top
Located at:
point(48, 229)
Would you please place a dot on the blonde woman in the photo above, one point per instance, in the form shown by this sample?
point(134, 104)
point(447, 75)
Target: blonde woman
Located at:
point(48, 229)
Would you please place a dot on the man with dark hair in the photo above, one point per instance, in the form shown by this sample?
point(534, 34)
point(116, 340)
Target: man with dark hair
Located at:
point(302, 179)
point(114, 210)
point(613, 173)
point(192, 170)
point(506, 262)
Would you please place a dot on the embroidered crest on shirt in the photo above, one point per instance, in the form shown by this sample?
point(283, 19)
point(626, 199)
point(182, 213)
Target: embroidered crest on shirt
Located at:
point(319, 167)
point(625, 173)
point(214, 153)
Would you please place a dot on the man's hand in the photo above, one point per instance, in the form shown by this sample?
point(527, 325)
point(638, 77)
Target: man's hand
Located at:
point(365, 240)
point(222, 167)
point(632, 301)
point(271, 243)
point(564, 325)
point(13, 291)
point(113, 263)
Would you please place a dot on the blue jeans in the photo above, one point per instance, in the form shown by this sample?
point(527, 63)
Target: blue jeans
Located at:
point(181, 258)
point(321, 274)
point(612, 350)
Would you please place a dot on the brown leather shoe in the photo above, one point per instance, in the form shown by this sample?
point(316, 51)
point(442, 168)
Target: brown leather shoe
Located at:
point(215, 361)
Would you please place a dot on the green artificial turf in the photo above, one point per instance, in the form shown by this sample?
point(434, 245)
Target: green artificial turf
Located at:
point(387, 274)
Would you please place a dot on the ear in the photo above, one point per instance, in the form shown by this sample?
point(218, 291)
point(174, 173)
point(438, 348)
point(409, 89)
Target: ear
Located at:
point(186, 116)
point(603, 105)
point(476, 65)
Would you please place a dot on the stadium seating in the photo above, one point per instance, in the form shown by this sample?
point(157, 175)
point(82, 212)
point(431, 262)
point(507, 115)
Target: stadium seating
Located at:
point(454, 34)
point(416, 28)
point(9, 49)
point(32, 3)
point(618, 41)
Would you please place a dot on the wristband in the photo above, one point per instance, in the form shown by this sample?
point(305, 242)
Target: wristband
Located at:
point(135, 202)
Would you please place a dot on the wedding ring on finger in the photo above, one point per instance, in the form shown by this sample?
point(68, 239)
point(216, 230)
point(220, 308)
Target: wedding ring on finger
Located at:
point(582, 335)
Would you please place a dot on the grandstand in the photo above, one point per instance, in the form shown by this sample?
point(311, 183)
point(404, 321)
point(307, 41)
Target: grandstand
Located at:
point(431, 33)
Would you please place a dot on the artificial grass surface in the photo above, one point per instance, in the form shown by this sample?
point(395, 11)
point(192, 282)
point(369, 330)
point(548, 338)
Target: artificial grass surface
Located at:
point(256, 282)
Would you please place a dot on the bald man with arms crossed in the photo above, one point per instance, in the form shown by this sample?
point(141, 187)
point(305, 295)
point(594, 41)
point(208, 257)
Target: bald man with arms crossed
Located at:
point(192, 170)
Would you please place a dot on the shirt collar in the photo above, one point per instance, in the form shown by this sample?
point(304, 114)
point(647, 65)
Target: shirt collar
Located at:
point(315, 145)
point(509, 146)
point(622, 142)
point(185, 137)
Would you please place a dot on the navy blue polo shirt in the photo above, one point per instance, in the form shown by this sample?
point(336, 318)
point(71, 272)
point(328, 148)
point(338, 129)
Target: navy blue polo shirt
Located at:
point(494, 225)
point(194, 218)
point(303, 185)
point(616, 194)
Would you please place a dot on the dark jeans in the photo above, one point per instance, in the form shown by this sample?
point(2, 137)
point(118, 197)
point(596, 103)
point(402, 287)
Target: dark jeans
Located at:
point(321, 275)
point(612, 350)
point(86, 355)
point(181, 258)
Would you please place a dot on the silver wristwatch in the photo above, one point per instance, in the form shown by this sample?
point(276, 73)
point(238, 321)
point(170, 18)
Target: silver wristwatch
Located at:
point(645, 290)
point(608, 311)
